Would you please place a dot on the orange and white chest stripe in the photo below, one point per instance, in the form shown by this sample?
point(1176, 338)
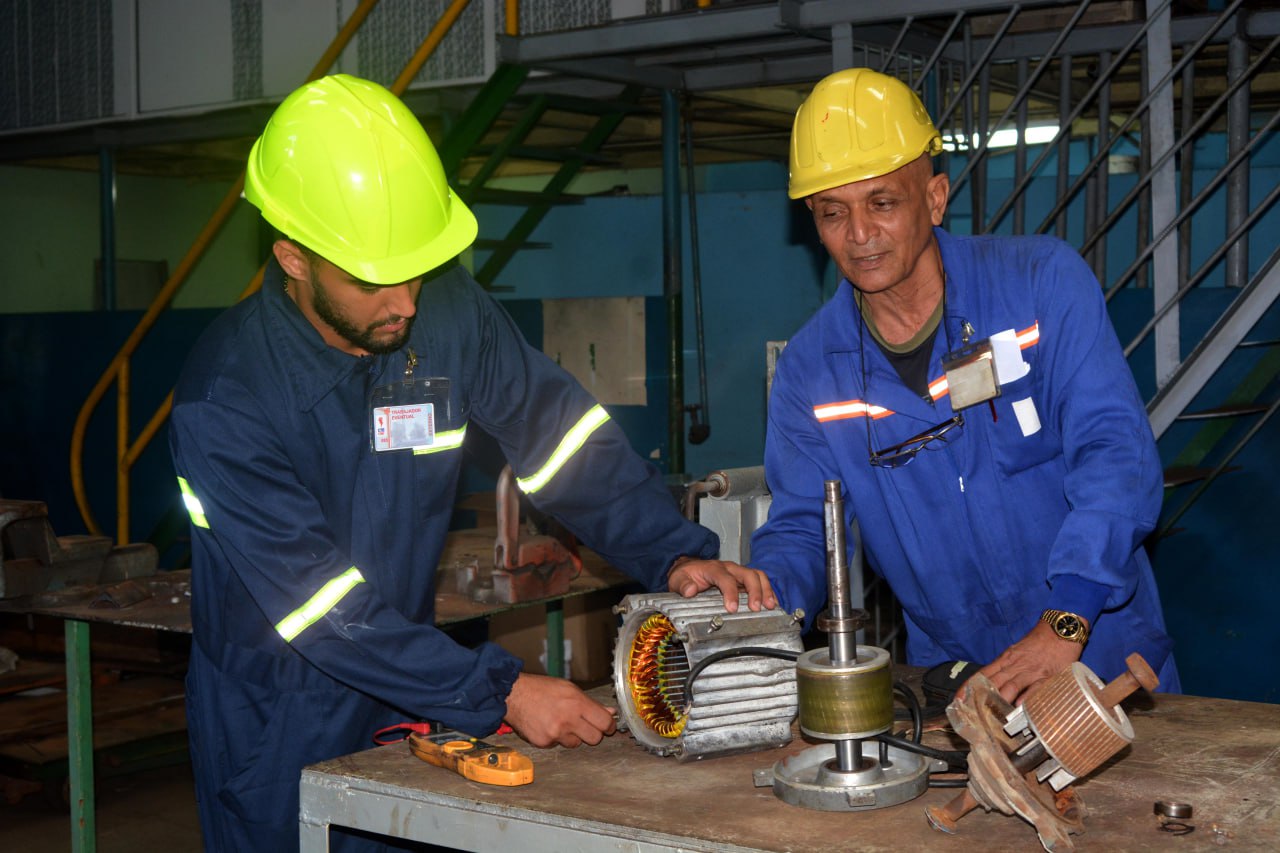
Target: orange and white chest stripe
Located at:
point(849, 409)
point(938, 389)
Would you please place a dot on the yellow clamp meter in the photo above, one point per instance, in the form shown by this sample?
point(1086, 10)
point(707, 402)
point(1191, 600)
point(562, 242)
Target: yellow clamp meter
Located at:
point(471, 758)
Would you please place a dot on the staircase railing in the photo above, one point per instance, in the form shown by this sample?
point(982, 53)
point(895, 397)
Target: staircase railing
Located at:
point(1140, 95)
point(118, 371)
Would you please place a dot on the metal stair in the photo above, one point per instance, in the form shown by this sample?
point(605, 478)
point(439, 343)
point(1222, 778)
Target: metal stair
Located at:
point(1225, 337)
point(497, 128)
point(1171, 115)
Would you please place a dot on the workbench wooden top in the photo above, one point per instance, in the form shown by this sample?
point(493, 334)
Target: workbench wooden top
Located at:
point(1223, 757)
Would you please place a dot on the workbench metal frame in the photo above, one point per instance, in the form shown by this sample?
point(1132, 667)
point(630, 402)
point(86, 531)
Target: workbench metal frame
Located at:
point(466, 824)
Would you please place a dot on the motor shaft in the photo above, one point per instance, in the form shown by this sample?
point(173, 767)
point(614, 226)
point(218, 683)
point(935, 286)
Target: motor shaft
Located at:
point(841, 624)
point(840, 618)
point(1138, 674)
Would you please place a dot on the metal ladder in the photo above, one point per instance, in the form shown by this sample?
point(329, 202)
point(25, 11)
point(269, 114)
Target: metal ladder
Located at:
point(498, 126)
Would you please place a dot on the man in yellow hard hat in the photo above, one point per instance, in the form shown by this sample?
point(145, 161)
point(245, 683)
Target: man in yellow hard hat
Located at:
point(971, 395)
point(317, 434)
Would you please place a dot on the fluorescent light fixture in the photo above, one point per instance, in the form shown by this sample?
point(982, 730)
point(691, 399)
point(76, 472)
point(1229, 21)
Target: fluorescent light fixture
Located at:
point(1004, 138)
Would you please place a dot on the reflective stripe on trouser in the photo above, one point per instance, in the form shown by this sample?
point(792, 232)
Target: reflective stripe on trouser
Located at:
point(319, 604)
point(569, 445)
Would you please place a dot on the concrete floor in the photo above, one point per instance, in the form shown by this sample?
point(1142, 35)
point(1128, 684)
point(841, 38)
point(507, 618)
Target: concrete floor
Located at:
point(146, 810)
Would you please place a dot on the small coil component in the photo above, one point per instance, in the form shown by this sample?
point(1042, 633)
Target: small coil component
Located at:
point(738, 704)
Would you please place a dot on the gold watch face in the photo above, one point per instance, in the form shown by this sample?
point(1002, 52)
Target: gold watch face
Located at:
point(1068, 626)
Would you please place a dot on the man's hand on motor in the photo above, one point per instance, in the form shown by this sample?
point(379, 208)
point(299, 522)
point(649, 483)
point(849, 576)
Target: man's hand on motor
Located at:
point(690, 576)
point(1038, 655)
point(548, 711)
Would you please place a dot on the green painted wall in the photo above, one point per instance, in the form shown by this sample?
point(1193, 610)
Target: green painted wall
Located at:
point(50, 228)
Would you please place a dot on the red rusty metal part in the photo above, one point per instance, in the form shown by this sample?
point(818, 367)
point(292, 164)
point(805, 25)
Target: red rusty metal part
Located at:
point(527, 567)
point(994, 782)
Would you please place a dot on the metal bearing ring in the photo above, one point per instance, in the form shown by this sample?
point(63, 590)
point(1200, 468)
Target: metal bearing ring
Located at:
point(1176, 811)
point(1176, 827)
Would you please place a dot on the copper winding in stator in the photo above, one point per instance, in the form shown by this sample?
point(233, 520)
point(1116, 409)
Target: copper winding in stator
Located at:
point(689, 681)
point(657, 670)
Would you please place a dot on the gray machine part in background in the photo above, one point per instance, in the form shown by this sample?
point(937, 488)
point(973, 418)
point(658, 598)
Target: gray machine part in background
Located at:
point(735, 503)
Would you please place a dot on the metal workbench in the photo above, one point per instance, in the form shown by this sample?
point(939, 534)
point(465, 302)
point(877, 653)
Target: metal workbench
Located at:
point(168, 608)
point(1221, 756)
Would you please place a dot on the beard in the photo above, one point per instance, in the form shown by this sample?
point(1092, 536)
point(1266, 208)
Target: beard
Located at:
point(367, 338)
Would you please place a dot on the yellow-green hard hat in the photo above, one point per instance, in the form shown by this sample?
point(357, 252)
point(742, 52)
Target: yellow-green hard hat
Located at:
point(857, 124)
point(345, 168)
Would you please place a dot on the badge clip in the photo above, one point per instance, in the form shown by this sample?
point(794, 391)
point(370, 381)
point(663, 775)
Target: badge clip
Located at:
point(406, 415)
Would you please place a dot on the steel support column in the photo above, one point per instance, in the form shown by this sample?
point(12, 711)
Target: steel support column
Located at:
point(672, 285)
point(80, 736)
point(107, 224)
point(1158, 58)
point(841, 46)
point(1097, 206)
point(1064, 141)
point(1237, 139)
point(556, 667)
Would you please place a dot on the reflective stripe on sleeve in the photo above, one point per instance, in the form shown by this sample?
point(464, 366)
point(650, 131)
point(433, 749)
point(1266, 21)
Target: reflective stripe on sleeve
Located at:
point(319, 604)
point(450, 440)
point(569, 445)
point(194, 508)
point(849, 409)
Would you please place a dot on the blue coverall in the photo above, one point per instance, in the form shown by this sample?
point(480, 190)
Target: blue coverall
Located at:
point(314, 558)
point(977, 536)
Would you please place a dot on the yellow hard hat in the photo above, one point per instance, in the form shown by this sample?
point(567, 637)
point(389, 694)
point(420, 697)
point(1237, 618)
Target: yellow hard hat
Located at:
point(857, 124)
point(345, 168)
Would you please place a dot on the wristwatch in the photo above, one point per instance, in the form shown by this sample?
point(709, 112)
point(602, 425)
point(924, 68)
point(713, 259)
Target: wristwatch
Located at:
point(1066, 625)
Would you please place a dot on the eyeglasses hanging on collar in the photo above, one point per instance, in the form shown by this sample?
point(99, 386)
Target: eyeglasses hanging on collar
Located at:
point(933, 438)
point(897, 455)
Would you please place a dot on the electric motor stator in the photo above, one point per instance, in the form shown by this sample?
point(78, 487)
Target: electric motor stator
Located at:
point(740, 704)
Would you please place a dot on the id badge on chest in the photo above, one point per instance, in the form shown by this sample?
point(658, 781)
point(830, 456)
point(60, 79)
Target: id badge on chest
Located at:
point(976, 370)
point(971, 375)
point(404, 414)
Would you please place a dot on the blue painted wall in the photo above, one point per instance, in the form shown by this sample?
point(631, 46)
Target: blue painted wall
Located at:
point(763, 274)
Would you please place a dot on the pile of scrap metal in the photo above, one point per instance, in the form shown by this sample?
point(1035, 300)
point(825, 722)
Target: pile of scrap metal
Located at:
point(33, 560)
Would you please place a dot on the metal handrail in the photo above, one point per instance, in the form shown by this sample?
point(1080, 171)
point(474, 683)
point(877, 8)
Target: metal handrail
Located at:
point(118, 370)
point(1104, 77)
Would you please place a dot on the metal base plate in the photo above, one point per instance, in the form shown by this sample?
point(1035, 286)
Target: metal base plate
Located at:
point(800, 779)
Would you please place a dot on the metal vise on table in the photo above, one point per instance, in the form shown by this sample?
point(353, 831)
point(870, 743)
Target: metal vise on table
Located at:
point(526, 566)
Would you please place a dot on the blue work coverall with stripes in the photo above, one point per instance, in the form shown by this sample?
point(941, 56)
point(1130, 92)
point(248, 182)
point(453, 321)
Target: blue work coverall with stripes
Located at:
point(1040, 500)
point(314, 558)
